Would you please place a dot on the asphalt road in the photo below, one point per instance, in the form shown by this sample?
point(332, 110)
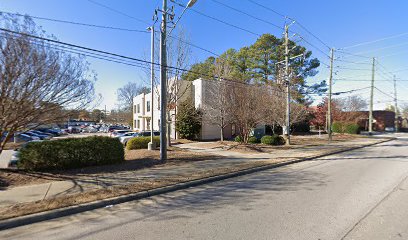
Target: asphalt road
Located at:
point(356, 195)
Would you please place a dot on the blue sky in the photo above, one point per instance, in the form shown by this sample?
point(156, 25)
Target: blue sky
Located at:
point(337, 23)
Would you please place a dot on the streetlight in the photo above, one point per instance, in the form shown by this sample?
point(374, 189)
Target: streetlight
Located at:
point(163, 76)
point(189, 5)
point(151, 145)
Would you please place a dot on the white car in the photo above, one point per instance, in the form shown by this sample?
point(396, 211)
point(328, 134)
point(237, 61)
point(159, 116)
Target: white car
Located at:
point(127, 136)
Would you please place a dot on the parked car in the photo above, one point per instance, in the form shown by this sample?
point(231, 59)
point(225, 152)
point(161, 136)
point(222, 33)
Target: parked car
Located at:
point(73, 129)
point(148, 133)
point(89, 129)
point(42, 133)
point(118, 133)
point(50, 130)
point(127, 136)
point(42, 136)
point(113, 128)
point(26, 138)
point(125, 139)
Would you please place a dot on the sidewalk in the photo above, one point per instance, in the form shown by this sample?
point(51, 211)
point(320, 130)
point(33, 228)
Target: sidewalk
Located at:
point(231, 160)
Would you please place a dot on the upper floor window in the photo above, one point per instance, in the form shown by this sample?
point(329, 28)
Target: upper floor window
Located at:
point(148, 106)
point(138, 108)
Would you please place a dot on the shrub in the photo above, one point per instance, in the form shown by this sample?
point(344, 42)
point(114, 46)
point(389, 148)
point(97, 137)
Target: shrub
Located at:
point(338, 127)
point(71, 153)
point(141, 143)
point(273, 140)
point(352, 128)
point(253, 140)
point(188, 123)
point(341, 127)
point(238, 139)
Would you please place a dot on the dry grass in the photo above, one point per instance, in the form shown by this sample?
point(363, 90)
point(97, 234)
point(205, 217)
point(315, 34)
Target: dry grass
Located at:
point(12, 146)
point(296, 142)
point(135, 160)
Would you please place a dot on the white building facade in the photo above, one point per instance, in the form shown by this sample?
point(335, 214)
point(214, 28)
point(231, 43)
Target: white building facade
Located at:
point(197, 91)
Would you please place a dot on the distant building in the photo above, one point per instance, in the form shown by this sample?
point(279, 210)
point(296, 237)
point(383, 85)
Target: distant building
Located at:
point(382, 120)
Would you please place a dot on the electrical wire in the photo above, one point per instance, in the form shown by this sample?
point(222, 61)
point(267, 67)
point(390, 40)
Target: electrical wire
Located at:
point(76, 23)
point(247, 14)
point(375, 41)
point(118, 12)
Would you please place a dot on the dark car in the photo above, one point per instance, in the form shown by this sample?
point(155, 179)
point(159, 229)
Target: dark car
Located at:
point(49, 130)
point(148, 133)
point(40, 136)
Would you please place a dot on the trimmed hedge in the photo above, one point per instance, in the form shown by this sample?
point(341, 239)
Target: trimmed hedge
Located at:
point(71, 153)
point(273, 140)
point(141, 143)
point(350, 128)
point(253, 140)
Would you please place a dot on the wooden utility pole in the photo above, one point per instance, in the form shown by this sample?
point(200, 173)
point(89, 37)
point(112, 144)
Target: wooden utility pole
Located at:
point(287, 127)
point(370, 115)
point(329, 104)
point(396, 104)
point(163, 85)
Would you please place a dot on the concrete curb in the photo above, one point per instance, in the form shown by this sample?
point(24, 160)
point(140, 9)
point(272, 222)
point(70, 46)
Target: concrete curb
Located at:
point(61, 212)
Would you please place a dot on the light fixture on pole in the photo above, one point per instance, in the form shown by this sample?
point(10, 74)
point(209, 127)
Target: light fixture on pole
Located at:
point(151, 145)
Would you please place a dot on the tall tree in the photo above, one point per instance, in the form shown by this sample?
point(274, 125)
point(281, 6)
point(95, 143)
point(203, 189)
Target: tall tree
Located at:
point(37, 81)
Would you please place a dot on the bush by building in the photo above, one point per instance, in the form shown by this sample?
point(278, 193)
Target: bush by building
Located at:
point(273, 140)
point(188, 123)
point(253, 140)
point(342, 127)
point(141, 143)
point(71, 153)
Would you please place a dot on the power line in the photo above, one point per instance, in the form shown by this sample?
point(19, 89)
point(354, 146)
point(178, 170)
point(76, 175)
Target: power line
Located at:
point(384, 93)
point(367, 80)
point(76, 23)
point(352, 54)
point(378, 49)
point(286, 17)
point(268, 8)
point(108, 27)
point(118, 12)
point(375, 41)
point(221, 21)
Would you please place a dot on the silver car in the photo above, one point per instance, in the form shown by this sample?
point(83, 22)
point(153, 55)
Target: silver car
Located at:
point(127, 136)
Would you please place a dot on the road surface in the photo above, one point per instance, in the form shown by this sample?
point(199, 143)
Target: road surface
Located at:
point(361, 194)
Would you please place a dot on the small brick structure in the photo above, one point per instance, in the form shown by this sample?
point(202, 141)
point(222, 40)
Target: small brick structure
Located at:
point(382, 120)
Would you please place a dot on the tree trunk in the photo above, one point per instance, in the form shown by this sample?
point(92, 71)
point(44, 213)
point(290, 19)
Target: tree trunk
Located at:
point(222, 134)
point(5, 140)
point(168, 129)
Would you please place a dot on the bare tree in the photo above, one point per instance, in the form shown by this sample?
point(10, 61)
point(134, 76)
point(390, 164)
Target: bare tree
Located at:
point(247, 107)
point(275, 104)
point(351, 108)
point(37, 81)
point(217, 107)
point(126, 94)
